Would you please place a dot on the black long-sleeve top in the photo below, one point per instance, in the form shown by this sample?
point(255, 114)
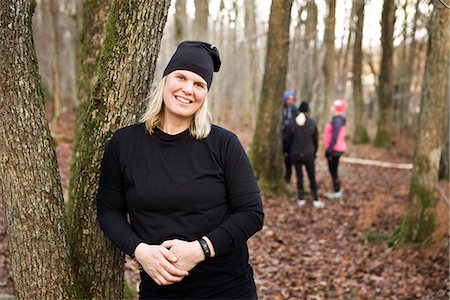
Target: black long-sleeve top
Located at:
point(174, 186)
point(303, 140)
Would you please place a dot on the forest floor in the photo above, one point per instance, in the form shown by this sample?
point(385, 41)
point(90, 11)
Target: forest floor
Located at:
point(338, 252)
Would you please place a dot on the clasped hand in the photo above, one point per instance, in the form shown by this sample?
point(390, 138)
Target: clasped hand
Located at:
point(169, 262)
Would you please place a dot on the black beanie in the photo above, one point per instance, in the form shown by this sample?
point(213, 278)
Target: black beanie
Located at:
point(198, 57)
point(304, 107)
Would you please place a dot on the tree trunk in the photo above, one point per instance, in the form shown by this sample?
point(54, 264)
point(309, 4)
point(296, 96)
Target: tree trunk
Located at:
point(419, 221)
point(56, 75)
point(124, 75)
point(309, 57)
point(445, 155)
point(201, 20)
point(360, 135)
point(324, 94)
point(252, 71)
point(265, 152)
point(181, 23)
point(385, 85)
point(30, 184)
point(92, 34)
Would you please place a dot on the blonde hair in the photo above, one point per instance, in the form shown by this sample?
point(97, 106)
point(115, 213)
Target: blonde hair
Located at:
point(153, 116)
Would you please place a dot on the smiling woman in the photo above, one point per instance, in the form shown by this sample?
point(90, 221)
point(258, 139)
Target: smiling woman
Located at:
point(188, 188)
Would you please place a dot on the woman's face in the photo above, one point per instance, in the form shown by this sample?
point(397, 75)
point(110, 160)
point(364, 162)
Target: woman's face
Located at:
point(184, 93)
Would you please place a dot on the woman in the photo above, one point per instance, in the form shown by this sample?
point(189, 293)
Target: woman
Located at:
point(303, 139)
point(187, 186)
point(334, 141)
point(289, 113)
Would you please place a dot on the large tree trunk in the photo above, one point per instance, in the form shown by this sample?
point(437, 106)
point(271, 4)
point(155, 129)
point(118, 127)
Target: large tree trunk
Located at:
point(124, 76)
point(419, 221)
point(385, 86)
point(265, 152)
point(181, 23)
point(92, 33)
point(324, 91)
point(360, 135)
point(30, 185)
point(201, 20)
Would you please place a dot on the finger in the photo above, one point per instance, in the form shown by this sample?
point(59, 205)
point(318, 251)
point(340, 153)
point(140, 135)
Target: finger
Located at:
point(173, 270)
point(170, 278)
point(169, 255)
point(168, 244)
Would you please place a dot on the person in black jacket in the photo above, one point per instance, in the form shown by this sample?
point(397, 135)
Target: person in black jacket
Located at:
point(187, 188)
point(303, 140)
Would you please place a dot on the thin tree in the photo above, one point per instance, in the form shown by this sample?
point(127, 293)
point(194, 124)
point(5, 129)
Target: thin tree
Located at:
point(56, 57)
point(201, 28)
point(360, 135)
point(419, 221)
point(124, 75)
point(181, 23)
point(252, 71)
point(385, 84)
point(265, 152)
point(309, 57)
point(30, 185)
point(324, 87)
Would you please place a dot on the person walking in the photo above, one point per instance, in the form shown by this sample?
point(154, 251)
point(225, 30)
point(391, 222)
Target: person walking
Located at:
point(178, 193)
point(334, 142)
point(290, 112)
point(303, 140)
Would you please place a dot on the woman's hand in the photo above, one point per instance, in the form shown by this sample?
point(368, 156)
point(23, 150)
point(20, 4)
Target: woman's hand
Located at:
point(159, 263)
point(189, 254)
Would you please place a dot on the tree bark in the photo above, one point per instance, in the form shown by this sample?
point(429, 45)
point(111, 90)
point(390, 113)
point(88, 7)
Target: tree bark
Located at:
point(360, 135)
point(445, 154)
point(124, 75)
point(419, 221)
point(30, 184)
point(385, 85)
point(265, 152)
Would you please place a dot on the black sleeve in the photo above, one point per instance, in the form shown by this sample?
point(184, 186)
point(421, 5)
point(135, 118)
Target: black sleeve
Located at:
point(111, 205)
point(315, 138)
point(245, 202)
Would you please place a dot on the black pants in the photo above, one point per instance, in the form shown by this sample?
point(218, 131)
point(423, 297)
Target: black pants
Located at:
point(333, 165)
point(310, 170)
point(287, 161)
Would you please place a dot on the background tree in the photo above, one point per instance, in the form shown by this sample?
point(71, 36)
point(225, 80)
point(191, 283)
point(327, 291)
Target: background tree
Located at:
point(265, 152)
point(385, 85)
point(201, 20)
point(360, 135)
point(309, 59)
point(419, 221)
point(181, 22)
point(30, 186)
point(124, 75)
point(445, 155)
point(324, 92)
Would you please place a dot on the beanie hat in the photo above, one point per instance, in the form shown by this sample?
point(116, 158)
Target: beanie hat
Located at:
point(198, 57)
point(339, 105)
point(304, 107)
point(286, 95)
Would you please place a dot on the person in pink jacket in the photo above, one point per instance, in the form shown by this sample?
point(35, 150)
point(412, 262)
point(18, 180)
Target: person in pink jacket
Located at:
point(334, 141)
